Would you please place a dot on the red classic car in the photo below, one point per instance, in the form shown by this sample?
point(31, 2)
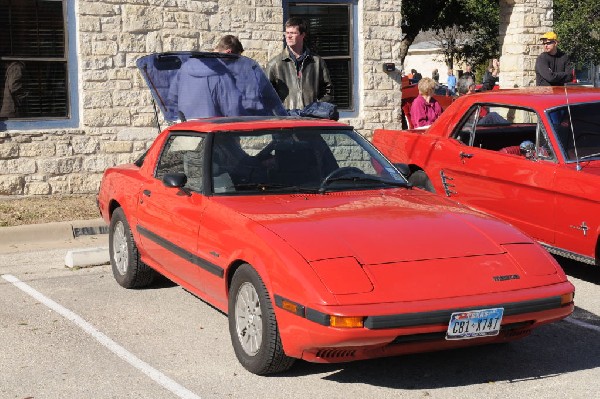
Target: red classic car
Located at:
point(528, 156)
point(306, 236)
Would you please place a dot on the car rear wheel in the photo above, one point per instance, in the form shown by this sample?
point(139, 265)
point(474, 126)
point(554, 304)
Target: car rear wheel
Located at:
point(420, 179)
point(128, 269)
point(252, 325)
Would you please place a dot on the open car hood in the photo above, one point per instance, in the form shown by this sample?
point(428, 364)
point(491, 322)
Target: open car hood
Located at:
point(189, 85)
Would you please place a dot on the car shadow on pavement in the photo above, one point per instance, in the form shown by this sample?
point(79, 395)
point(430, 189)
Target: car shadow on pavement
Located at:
point(550, 351)
point(160, 282)
point(581, 271)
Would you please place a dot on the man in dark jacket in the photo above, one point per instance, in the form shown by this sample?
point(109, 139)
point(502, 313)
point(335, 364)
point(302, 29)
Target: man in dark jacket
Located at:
point(299, 76)
point(552, 67)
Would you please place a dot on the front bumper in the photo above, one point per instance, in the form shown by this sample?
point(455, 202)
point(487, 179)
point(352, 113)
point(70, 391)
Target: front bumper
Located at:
point(399, 328)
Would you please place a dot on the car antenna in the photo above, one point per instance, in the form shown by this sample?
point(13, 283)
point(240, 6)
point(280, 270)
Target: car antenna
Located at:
point(181, 116)
point(578, 167)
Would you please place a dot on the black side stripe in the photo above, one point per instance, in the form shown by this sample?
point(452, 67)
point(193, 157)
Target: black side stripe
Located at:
point(182, 253)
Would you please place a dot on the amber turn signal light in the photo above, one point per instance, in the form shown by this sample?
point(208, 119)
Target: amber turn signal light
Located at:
point(289, 306)
point(346, 322)
point(566, 298)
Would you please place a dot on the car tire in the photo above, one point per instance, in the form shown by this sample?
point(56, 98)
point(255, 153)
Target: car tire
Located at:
point(127, 267)
point(252, 325)
point(421, 180)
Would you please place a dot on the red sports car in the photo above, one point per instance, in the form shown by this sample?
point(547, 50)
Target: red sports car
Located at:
point(528, 156)
point(309, 239)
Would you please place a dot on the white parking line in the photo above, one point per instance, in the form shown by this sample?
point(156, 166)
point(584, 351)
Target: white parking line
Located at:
point(583, 324)
point(117, 349)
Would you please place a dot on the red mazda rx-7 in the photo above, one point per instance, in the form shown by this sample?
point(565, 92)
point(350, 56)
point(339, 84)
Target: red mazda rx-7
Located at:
point(309, 239)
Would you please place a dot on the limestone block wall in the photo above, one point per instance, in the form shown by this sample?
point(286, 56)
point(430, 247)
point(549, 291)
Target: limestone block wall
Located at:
point(117, 118)
point(522, 22)
point(380, 97)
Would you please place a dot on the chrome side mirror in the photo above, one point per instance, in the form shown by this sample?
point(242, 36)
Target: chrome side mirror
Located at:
point(527, 149)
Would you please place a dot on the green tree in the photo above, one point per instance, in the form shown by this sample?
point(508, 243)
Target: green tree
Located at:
point(466, 29)
point(577, 23)
point(422, 16)
point(484, 31)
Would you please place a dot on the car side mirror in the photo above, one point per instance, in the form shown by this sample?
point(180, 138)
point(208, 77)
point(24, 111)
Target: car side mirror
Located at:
point(527, 149)
point(177, 180)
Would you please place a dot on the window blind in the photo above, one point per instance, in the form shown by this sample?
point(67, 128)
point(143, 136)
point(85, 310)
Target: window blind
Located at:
point(330, 36)
point(33, 63)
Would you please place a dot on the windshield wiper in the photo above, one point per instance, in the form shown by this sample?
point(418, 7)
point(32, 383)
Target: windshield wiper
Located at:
point(590, 156)
point(274, 187)
point(363, 178)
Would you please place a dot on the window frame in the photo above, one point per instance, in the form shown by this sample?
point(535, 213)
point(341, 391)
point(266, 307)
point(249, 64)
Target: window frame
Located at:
point(354, 81)
point(159, 173)
point(70, 57)
point(473, 117)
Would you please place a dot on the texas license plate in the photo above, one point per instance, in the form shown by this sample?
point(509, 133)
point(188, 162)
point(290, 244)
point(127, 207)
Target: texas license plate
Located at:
point(475, 323)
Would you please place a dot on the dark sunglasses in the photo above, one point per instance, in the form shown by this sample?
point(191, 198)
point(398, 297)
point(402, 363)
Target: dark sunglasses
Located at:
point(549, 42)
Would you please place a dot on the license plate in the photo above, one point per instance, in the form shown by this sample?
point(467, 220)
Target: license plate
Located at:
point(475, 323)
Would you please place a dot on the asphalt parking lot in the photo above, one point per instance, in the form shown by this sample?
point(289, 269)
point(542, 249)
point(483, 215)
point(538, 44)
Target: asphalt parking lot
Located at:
point(74, 333)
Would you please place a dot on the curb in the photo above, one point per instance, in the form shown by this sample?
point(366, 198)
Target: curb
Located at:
point(86, 257)
point(51, 232)
point(57, 233)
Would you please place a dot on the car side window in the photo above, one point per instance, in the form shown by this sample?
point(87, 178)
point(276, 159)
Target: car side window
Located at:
point(183, 154)
point(544, 149)
point(502, 128)
point(465, 132)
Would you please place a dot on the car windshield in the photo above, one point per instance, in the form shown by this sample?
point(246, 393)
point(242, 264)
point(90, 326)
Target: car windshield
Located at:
point(306, 160)
point(577, 129)
point(190, 85)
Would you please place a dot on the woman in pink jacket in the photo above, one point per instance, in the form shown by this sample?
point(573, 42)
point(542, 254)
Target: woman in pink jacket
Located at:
point(425, 109)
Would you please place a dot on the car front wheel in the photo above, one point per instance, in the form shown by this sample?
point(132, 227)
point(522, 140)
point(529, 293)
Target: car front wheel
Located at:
point(252, 325)
point(128, 269)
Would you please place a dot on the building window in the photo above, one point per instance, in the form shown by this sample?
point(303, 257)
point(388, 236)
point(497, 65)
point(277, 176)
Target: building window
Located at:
point(34, 75)
point(331, 37)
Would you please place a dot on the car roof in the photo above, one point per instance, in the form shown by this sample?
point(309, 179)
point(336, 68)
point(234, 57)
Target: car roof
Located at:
point(537, 97)
point(249, 123)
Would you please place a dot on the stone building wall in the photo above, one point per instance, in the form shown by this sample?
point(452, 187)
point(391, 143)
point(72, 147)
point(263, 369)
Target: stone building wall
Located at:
point(522, 22)
point(117, 118)
point(380, 94)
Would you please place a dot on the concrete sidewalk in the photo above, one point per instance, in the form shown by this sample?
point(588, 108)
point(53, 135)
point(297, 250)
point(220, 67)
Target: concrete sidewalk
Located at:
point(86, 240)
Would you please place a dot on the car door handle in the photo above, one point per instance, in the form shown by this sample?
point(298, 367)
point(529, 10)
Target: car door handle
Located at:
point(464, 155)
point(147, 193)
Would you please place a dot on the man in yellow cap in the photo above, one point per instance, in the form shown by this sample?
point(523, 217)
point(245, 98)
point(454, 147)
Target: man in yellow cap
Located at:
point(552, 67)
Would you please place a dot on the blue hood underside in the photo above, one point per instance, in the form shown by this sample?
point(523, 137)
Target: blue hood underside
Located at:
point(191, 85)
